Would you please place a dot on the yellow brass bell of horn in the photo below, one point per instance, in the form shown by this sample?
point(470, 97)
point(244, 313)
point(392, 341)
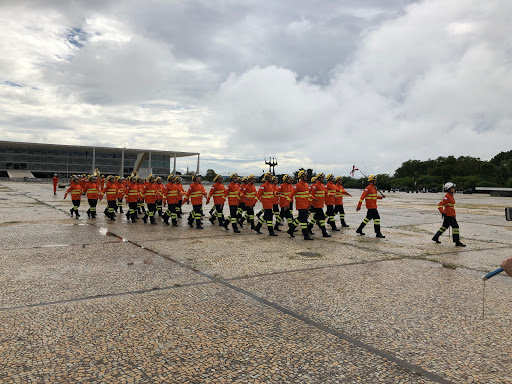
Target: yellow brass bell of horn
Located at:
point(96, 173)
point(134, 174)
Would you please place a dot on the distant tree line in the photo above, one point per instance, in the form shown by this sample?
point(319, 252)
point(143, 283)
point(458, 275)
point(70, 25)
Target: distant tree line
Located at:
point(466, 171)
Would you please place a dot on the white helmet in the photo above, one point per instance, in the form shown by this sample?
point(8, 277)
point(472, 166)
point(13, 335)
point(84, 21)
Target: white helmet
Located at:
point(448, 185)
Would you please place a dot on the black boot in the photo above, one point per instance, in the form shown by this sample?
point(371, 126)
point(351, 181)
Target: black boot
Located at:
point(226, 224)
point(106, 211)
point(174, 222)
point(165, 218)
point(145, 218)
point(88, 213)
point(112, 217)
point(276, 227)
point(459, 244)
point(333, 227)
point(221, 221)
point(360, 230)
point(212, 220)
point(152, 220)
point(235, 228)
point(241, 221)
point(199, 225)
point(252, 223)
point(257, 228)
point(343, 224)
point(271, 231)
point(324, 232)
point(380, 235)
point(305, 233)
point(291, 229)
point(71, 211)
point(77, 214)
point(310, 229)
point(121, 210)
point(436, 237)
point(134, 217)
point(93, 215)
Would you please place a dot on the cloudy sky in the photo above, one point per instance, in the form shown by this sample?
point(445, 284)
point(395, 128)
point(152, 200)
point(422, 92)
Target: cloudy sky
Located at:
point(319, 84)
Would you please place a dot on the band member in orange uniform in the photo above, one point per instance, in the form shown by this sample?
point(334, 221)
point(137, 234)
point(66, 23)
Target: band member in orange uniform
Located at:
point(249, 192)
point(195, 195)
point(92, 189)
point(302, 203)
point(120, 193)
point(131, 193)
point(172, 194)
point(233, 194)
point(76, 195)
point(151, 196)
point(160, 195)
point(111, 190)
point(180, 200)
point(318, 192)
point(447, 209)
point(55, 182)
point(370, 197)
point(330, 195)
point(338, 200)
point(217, 191)
point(266, 194)
point(284, 203)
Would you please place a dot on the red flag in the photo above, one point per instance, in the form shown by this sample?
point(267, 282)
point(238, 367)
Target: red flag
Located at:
point(353, 170)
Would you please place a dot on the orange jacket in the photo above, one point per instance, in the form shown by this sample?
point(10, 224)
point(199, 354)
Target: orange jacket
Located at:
point(92, 190)
point(172, 193)
point(55, 180)
point(276, 193)
point(76, 191)
point(330, 193)
point(101, 180)
point(111, 190)
point(266, 195)
point(242, 193)
point(120, 189)
point(250, 194)
point(217, 191)
point(195, 193)
point(338, 197)
point(284, 191)
point(447, 205)
point(131, 192)
point(150, 192)
point(233, 193)
point(180, 188)
point(302, 196)
point(318, 191)
point(370, 196)
point(160, 191)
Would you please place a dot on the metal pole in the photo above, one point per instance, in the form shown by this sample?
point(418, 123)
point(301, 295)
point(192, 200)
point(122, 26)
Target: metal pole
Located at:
point(121, 171)
point(174, 169)
point(93, 160)
point(150, 169)
point(197, 172)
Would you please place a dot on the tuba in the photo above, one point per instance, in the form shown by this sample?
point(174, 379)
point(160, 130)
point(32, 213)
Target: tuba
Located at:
point(96, 173)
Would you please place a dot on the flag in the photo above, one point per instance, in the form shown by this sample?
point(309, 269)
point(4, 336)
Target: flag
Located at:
point(354, 169)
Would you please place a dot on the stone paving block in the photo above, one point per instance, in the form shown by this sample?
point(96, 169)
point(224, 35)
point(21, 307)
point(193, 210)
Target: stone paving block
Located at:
point(30, 235)
point(229, 257)
point(41, 275)
point(416, 310)
point(187, 335)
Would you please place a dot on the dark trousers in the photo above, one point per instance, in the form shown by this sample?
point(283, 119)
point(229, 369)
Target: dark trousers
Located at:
point(287, 214)
point(372, 214)
point(449, 221)
point(92, 204)
point(112, 207)
point(197, 213)
point(319, 217)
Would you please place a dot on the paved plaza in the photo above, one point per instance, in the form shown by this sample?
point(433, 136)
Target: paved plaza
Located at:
point(94, 301)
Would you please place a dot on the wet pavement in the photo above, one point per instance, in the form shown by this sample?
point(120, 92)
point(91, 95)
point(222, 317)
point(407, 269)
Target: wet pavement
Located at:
point(91, 300)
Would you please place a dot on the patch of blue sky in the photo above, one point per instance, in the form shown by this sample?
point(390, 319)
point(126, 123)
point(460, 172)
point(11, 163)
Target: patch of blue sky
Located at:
point(76, 37)
point(14, 84)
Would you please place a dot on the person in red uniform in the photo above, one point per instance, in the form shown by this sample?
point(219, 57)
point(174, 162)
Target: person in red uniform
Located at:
point(318, 192)
point(131, 194)
point(370, 197)
point(55, 182)
point(330, 195)
point(92, 190)
point(338, 200)
point(266, 194)
point(172, 194)
point(160, 195)
point(284, 203)
point(150, 195)
point(180, 200)
point(76, 195)
point(303, 200)
point(140, 201)
point(233, 195)
point(249, 193)
point(275, 206)
point(217, 191)
point(241, 203)
point(120, 193)
point(111, 190)
point(195, 195)
point(447, 209)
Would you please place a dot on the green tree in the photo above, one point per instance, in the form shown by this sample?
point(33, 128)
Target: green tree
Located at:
point(210, 175)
